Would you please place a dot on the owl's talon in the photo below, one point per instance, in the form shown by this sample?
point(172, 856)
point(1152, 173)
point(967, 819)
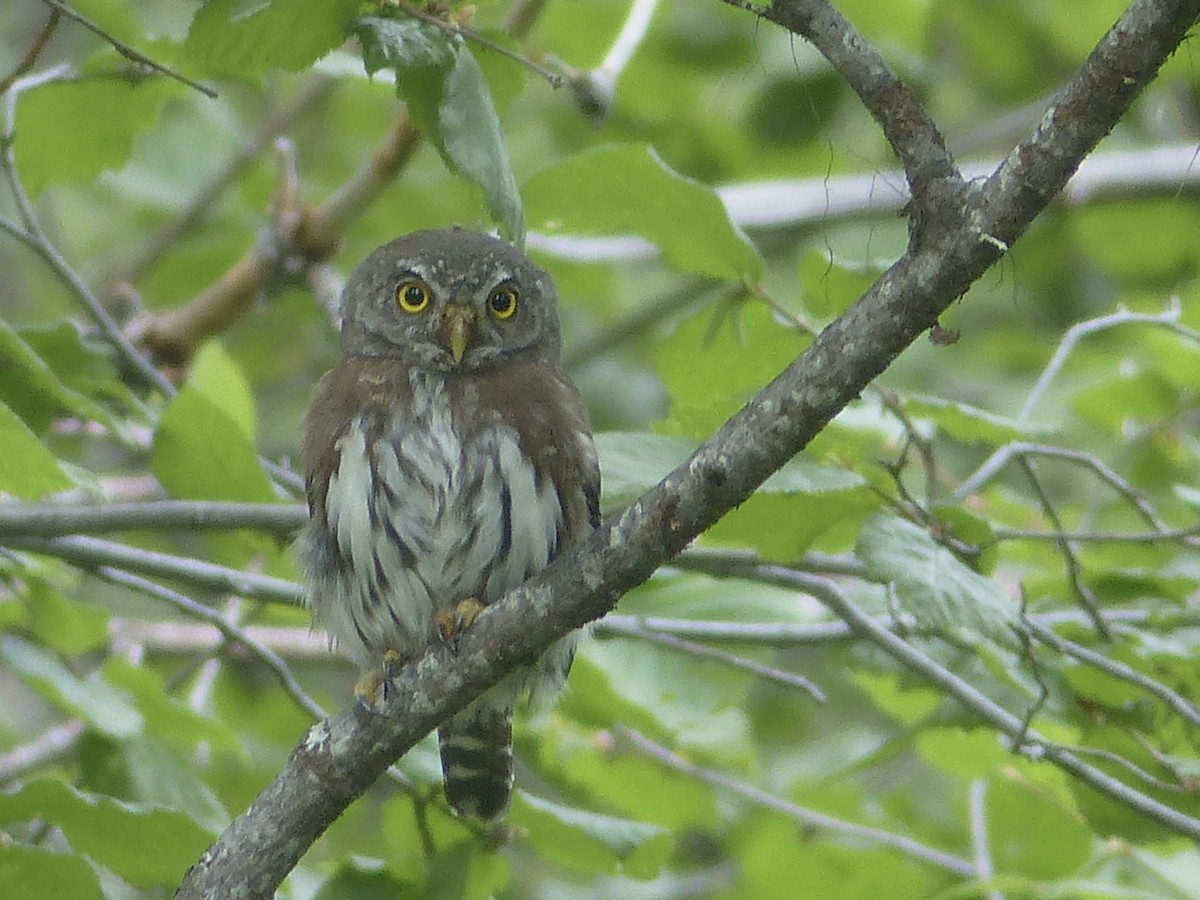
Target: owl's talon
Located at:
point(368, 689)
point(450, 625)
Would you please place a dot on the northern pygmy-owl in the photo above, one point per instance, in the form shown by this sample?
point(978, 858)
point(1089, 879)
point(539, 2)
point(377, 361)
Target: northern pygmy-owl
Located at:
point(448, 458)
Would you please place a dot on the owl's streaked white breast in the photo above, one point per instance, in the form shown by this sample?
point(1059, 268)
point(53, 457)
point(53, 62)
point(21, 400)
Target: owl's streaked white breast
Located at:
point(429, 513)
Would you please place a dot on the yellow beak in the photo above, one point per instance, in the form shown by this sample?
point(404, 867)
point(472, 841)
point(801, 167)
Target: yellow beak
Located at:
point(457, 322)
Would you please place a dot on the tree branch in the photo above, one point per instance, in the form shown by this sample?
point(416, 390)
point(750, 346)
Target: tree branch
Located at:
point(960, 236)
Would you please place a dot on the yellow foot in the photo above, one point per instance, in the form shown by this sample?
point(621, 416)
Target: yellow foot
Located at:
point(450, 625)
point(368, 688)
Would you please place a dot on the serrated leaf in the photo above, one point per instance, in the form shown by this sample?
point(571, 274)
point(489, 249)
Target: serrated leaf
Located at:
point(930, 582)
point(474, 144)
point(100, 704)
point(73, 131)
point(591, 842)
point(27, 468)
point(57, 875)
point(238, 38)
point(716, 361)
point(115, 834)
point(200, 453)
point(968, 423)
point(630, 190)
point(449, 99)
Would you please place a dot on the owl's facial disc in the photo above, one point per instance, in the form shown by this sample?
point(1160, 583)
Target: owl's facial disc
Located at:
point(457, 323)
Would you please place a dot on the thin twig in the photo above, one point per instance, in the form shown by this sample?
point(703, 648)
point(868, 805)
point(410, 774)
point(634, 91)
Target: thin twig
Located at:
point(53, 743)
point(1168, 318)
point(807, 817)
point(769, 673)
point(1116, 669)
point(1035, 745)
point(228, 630)
point(981, 849)
point(1021, 449)
point(1082, 591)
point(454, 28)
point(36, 240)
point(130, 53)
point(55, 520)
point(183, 219)
point(89, 552)
point(35, 50)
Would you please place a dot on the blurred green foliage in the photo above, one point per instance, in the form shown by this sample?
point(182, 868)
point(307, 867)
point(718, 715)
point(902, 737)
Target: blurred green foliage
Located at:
point(669, 329)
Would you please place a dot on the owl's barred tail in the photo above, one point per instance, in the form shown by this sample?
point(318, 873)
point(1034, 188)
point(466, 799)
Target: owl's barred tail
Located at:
point(477, 762)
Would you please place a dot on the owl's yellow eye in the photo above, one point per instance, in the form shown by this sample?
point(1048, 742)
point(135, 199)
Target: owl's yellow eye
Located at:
point(412, 296)
point(503, 302)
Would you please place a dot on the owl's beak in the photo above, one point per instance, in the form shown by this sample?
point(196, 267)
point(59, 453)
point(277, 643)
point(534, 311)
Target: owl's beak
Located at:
point(458, 321)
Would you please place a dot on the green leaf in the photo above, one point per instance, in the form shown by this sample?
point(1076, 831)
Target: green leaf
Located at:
point(831, 284)
point(165, 715)
point(930, 582)
point(27, 468)
point(57, 875)
point(115, 834)
point(465, 871)
point(717, 360)
point(73, 131)
point(38, 392)
point(473, 143)
point(285, 34)
point(201, 453)
point(448, 97)
point(103, 706)
point(967, 423)
point(696, 701)
point(160, 779)
point(215, 376)
point(629, 189)
point(360, 879)
point(591, 842)
point(634, 462)
point(71, 627)
point(797, 504)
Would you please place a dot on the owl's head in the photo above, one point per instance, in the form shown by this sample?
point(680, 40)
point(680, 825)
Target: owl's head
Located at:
point(448, 300)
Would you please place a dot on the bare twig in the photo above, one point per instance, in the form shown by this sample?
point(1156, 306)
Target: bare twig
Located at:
point(809, 818)
point(1082, 591)
point(30, 58)
point(130, 53)
point(979, 837)
point(1168, 318)
point(36, 240)
point(769, 673)
point(1033, 744)
point(1116, 669)
point(53, 743)
point(228, 630)
point(89, 552)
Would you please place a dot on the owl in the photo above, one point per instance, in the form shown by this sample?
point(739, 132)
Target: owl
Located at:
point(448, 458)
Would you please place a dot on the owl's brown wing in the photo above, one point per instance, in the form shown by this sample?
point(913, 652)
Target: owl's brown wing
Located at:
point(354, 384)
point(541, 404)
